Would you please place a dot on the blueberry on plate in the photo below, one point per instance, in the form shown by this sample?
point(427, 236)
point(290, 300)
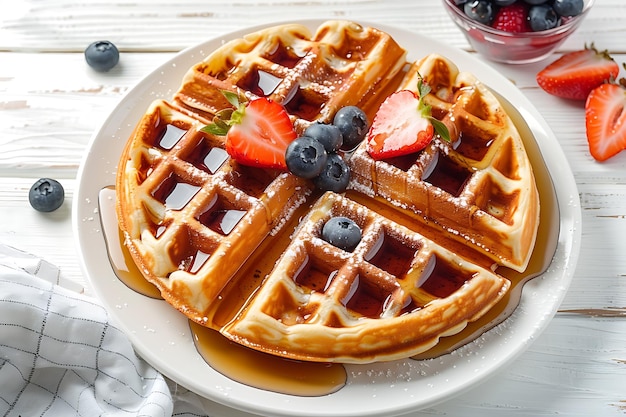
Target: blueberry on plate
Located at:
point(305, 157)
point(542, 17)
point(353, 125)
point(328, 135)
point(335, 176)
point(46, 195)
point(342, 232)
point(102, 55)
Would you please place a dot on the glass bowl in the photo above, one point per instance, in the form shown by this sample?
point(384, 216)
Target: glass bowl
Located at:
point(513, 48)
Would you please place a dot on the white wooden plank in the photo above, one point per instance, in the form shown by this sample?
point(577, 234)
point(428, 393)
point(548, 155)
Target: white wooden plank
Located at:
point(171, 26)
point(47, 235)
point(572, 369)
point(47, 121)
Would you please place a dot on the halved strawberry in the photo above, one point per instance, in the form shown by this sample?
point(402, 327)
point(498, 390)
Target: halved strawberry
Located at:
point(257, 132)
point(403, 124)
point(575, 74)
point(605, 119)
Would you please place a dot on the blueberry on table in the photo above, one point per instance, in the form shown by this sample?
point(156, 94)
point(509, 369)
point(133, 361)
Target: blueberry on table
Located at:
point(328, 135)
point(353, 124)
point(102, 55)
point(342, 232)
point(305, 157)
point(46, 195)
point(335, 176)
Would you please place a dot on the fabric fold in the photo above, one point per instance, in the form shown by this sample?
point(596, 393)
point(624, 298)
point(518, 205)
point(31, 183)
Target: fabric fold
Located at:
point(61, 356)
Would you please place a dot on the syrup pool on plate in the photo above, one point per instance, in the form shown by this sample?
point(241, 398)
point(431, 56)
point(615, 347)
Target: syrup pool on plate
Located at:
point(119, 257)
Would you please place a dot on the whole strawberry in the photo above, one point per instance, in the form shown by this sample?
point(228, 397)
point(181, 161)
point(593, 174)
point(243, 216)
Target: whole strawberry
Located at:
point(605, 120)
point(575, 74)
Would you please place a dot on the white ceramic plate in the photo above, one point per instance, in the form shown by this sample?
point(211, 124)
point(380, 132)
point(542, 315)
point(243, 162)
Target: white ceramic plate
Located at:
point(161, 335)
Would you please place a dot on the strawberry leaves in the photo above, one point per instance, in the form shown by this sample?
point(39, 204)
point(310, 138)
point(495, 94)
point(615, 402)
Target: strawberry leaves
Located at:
point(226, 118)
point(257, 132)
point(423, 90)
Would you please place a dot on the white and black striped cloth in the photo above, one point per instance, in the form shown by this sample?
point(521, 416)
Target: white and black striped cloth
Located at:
point(61, 356)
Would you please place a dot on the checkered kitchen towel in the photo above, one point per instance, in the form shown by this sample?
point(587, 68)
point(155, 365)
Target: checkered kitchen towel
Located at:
point(61, 356)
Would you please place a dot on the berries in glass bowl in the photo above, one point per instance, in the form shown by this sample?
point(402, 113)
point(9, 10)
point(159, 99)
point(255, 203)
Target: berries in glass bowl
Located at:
point(517, 31)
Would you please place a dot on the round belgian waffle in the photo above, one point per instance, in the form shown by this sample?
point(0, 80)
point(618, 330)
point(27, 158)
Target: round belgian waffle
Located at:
point(238, 249)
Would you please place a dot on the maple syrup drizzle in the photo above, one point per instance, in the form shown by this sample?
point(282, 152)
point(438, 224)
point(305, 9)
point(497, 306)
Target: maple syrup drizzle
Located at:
point(170, 136)
point(180, 195)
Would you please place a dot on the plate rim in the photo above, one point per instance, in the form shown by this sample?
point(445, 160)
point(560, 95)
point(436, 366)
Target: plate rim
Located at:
point(568, 246)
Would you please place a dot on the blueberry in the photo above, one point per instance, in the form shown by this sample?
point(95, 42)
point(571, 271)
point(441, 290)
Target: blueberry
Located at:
point(342, 232)
point(328, 135)
point(568, 8)
point(102, 55)
point(353, 124)
point(335, 175)
point(479, 10)
point(46, 195)
point(503, 3)
point(535, 2)
point(542, 17)
point(305, 157)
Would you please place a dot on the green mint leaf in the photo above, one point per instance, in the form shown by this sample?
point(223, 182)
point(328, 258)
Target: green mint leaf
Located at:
point(422, 88)
point(233, 98)
point(214, 130)
point(441, 129)
point(219, 128)
point(222, 115)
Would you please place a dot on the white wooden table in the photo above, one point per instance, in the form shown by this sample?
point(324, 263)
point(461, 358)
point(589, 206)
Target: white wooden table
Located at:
point(51, 103)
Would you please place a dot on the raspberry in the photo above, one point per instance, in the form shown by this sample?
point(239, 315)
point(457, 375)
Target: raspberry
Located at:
point(513, 18)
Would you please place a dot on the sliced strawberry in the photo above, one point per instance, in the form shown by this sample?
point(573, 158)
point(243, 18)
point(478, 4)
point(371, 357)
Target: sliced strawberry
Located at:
point(257, 132)
point(575, 74)
point(605, 119)
point(512, 18)
point(398, 128)
point(403, 124)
